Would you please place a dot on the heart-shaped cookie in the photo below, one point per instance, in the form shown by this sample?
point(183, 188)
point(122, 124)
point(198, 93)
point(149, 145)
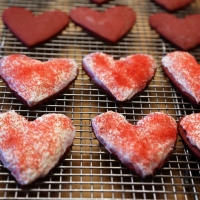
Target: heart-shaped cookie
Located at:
point(182, 32)
point(35, 82)
point(189, 130)
point(173, 5)
point(33, 30)
point(99, 2)
point(143, 148)
point(31, 149)
point(109, 26)
point(183, 71)
point(122, 79)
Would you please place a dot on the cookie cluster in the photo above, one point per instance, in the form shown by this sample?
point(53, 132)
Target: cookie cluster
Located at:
point(35, 82)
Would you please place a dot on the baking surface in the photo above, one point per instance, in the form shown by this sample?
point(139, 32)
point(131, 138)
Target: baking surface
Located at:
point(88, 171)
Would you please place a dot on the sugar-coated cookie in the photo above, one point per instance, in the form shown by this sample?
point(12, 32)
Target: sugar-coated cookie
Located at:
point(182, 32)
point(30, 149)
point(189, 131)
point(183, 71)
point(122, 79)
point(34, 82)
point(143, 148)
point(109, 26)
point(31, 29)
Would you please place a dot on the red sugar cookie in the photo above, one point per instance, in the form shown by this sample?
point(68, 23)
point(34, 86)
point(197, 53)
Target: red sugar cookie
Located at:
point(110, 25)
point(99, 2)
point(33, 30)
point(182, 32)
point(34, 82)
point(122, 79)
point(189, 130)
point(172, 5)
point(183, 71)
point(31, 149)
point(143, 148)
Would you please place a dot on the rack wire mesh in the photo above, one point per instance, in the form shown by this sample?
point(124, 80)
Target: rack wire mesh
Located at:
point(88, 171)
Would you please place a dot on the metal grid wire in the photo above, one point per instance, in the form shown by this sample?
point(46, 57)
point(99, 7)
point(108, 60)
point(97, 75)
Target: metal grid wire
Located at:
point(88, 170)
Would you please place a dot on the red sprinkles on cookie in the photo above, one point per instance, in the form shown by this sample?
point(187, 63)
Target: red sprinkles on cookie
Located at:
point(145, 147)
point(122, 79)
point(34, 82)
point(189, 130)
point(183, 71)
point(31, 149)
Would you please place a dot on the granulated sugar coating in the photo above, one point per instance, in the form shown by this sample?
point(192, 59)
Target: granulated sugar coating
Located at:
point(191, 125)
point(31, 149)
point(122, 78)
point(185, 71)
point(144, 147)
point(34, 80)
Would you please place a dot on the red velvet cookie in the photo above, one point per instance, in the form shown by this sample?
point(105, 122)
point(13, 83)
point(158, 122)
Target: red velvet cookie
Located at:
point(99, 2)
point(34, 82)
point(31, 149)
point(143, 148)
point(183, 71)
point(33, 30)
point(109, 26)
point(122, 79)
point(189, 131)
point(172, 5)
point(183, 33)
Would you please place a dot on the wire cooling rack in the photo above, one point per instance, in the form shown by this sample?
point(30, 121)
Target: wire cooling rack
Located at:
point(88, 171)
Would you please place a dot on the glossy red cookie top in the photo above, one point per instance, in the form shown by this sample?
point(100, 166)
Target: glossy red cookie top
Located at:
point(182, 32)
point(173, 5)
point(110, 25)
point(31, 29)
